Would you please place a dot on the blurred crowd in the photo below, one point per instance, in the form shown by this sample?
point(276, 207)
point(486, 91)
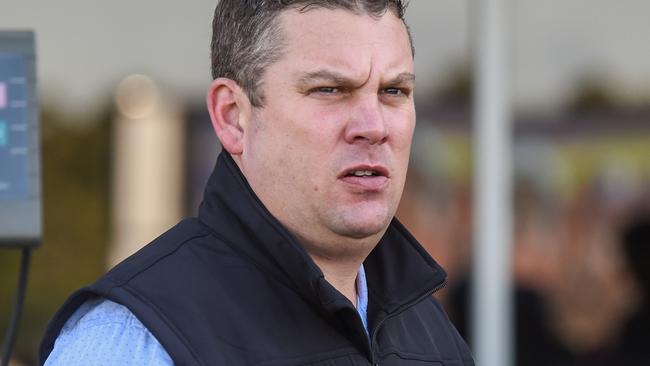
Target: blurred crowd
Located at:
point(581, 246)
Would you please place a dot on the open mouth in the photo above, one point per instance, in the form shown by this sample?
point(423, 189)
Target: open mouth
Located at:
point(366, 178)
point(363, 173)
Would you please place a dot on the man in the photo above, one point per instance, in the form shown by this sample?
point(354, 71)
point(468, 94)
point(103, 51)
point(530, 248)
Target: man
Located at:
point(295, 257)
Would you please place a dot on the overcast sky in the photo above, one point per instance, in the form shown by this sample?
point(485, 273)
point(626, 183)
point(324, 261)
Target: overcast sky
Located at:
point(85, 47)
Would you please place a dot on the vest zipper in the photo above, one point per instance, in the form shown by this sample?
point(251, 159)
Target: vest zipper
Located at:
point(403, 308)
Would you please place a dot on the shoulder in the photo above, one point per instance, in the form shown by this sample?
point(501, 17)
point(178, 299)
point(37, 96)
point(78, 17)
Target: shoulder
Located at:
point(104, 332)
point(165, 247)
point(100, 313)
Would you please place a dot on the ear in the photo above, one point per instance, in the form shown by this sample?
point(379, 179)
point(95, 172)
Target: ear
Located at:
point(229, 110)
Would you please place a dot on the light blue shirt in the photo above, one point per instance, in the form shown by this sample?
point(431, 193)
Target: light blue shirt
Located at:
point(102, 332)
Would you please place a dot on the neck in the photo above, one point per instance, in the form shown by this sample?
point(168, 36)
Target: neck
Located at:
point(339, 258)
point(341, 275)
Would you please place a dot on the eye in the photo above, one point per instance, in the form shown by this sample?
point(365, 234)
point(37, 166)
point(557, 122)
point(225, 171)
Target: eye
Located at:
point(325, 90)
point(395, 92)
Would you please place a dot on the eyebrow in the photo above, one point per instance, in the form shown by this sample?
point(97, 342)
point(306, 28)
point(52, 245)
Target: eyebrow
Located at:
point(405, 77)
point(326, 75)
point(340, 79)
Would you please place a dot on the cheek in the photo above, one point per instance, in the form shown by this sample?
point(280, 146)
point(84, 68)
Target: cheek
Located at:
point(314, 136)
point(402, 132)
point(404, 136)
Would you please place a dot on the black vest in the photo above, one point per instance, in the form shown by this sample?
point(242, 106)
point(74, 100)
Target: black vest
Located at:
point(234, 287)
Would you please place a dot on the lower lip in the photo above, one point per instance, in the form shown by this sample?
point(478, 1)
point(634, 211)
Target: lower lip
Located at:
point(373, 183)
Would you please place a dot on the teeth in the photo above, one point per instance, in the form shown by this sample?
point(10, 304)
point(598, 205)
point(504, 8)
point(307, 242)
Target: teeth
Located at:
point(362, 173)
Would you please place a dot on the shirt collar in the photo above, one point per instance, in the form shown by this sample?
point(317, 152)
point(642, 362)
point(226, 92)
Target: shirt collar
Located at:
point(362, 297)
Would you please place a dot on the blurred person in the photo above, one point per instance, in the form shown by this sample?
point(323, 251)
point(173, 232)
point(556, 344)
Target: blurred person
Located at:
point(295, 257)
point(632, 346)
point(535, 342)
point(591, 272)
point(535, 273)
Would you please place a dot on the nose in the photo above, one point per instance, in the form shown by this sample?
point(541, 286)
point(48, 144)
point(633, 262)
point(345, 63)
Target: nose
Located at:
point(366, 123)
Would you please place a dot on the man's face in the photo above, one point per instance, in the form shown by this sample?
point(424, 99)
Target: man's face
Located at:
point(328, 152)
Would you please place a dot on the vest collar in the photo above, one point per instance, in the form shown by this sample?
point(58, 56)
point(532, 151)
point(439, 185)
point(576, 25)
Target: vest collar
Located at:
point(398, 270)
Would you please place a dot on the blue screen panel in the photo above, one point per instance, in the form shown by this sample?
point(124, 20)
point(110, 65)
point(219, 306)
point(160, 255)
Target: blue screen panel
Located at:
point(14, 139)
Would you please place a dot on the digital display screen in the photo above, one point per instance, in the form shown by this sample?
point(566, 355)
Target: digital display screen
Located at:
point(20, 182)
point(14, 128)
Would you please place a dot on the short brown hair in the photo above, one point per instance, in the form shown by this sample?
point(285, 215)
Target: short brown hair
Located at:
point(246, 38)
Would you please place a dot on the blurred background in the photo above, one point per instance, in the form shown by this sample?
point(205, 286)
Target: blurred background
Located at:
point(127, 147)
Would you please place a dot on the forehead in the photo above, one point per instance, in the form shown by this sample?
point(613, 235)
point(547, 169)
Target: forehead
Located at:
point(343, 39)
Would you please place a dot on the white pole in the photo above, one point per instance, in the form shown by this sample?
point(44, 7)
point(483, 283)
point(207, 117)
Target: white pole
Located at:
point(148, 166)
point(491, 294)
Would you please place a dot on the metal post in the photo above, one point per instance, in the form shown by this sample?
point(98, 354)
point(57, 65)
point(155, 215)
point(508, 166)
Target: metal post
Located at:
point(491, 304)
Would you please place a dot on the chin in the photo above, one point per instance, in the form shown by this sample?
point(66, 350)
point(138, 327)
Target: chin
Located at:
point(360, 229)
point(358, 221)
